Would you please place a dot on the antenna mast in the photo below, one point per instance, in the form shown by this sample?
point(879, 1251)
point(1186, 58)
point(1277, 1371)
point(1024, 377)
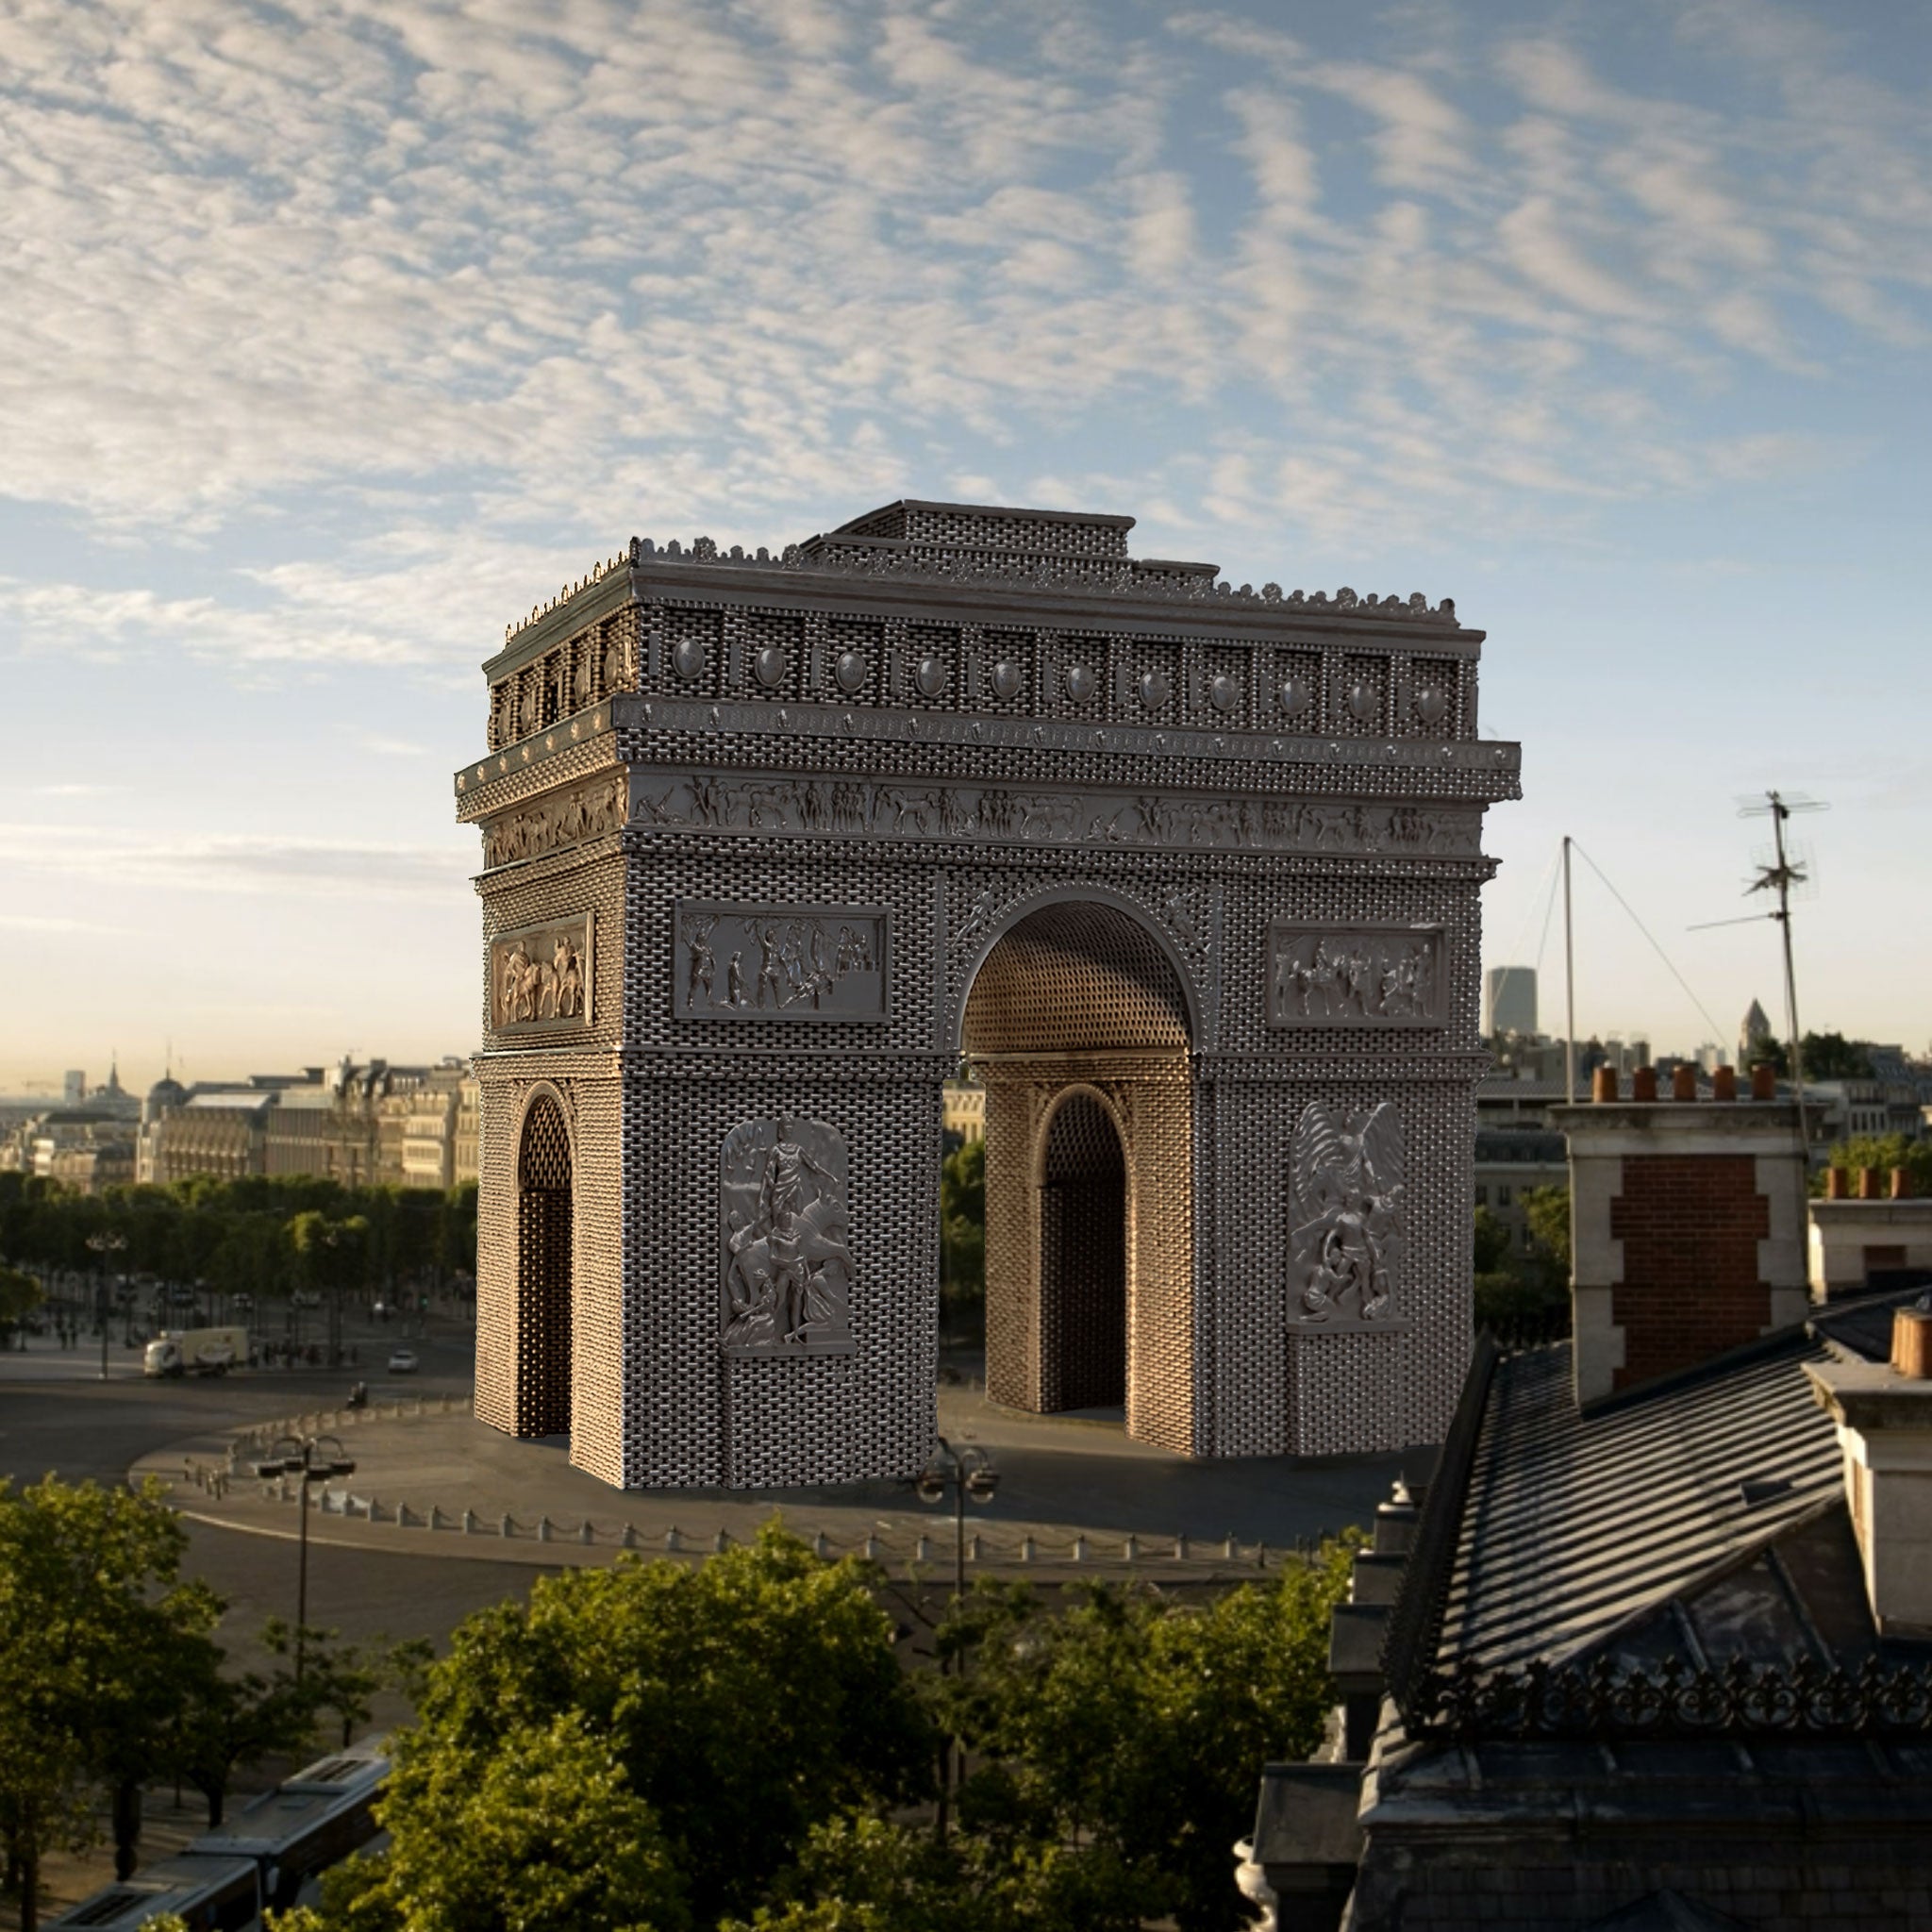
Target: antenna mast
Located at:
point(1569, 987)
point(1780, 878)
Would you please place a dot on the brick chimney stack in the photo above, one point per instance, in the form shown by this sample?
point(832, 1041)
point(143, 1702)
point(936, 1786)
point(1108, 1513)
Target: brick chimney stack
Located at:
point(1687, 1231)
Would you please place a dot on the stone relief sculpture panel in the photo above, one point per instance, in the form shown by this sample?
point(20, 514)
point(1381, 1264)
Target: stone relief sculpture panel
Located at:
point(540, 977)
point(1358, 975)
point(779, 962)
point(785, 1270)
point(990, 814)
point(586, 811)
point(1347, 1218)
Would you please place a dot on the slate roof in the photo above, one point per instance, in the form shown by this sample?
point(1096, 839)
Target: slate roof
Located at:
point(1577, 1524)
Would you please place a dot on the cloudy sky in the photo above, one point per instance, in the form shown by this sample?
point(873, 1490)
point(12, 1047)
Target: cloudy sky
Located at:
point(333, 335)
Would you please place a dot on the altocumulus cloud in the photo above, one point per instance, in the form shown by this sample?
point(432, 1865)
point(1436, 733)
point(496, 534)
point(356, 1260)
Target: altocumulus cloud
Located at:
point(457, 283)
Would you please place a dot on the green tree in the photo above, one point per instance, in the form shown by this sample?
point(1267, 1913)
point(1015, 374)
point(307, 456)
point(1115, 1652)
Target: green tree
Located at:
point(97, 1633)
point(1118, 1746)
point(20, 1296)
point(546, 1832)
point(962, 1234)
point(1493, 1249)
point(1546, 1213)
point(1884, 1152)
point(745, 1702)
point(1832, 1057)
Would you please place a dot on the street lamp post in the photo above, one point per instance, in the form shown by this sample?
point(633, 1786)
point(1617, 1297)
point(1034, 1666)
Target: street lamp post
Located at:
point(963, 1471)
point(102, 1245)
point(309, 1460)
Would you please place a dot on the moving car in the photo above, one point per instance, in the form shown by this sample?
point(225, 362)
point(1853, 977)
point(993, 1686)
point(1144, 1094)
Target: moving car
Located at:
point(402, 1361)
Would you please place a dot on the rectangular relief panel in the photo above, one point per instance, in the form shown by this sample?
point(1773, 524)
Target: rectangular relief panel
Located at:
point(734, 961)
point(1356, 975)
point(539, 977)
point(786, 1271)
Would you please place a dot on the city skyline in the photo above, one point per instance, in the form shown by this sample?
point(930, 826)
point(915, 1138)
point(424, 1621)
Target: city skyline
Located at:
point(339, 339)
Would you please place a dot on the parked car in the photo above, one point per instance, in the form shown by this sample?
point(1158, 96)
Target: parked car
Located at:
point(402, 1361)
point(306, 1298)
point(182, 1296)
point(241, 1301)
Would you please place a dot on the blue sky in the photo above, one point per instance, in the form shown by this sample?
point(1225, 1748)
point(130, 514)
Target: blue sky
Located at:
point(335, 336)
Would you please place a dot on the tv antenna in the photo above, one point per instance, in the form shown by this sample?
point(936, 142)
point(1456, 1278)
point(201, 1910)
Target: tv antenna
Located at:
point(1787, 873)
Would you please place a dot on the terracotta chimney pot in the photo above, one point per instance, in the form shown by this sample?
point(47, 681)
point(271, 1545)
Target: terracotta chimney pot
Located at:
point(1912, 1344)
point(1684, 1081)
point(1723, 1083)
point(1603, 1084)
point(1868, 1183)
point(1838, 1183)
point(1763, 1081)
point(1900, 1184)
point(1643, 1084)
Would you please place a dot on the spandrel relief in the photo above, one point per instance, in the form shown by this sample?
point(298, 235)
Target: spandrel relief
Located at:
point(1348, 1219)
point(779, 962)
point(1358, 975)
point(786, 1264)
point(539, 977)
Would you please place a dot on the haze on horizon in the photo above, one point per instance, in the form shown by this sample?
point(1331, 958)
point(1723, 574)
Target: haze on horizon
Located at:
point(338, 336)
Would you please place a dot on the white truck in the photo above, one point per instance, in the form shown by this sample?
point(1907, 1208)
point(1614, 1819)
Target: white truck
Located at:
point(196, 1351)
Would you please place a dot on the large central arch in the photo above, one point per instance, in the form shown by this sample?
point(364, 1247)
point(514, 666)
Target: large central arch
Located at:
point(1077, 1023)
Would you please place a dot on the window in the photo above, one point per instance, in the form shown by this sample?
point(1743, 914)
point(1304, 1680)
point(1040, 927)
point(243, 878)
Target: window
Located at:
point(1482, 1197)
point(1502, 1197)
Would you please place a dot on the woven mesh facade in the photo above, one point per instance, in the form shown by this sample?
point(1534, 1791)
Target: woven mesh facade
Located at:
point(1056, 803)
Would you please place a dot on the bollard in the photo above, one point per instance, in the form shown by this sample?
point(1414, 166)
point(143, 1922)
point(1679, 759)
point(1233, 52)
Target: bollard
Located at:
point(402, 1516)
point(722, 1541)
point(469, 1522)
point(504, 1532)
point(973, 1547)
point(1180, 1547)
point(1131, 1548)
point(587, 1535)
point(1026, 1549)
point(820, 1545)
point(431, 1524)
point(1080, 1548)
point(1231, 1549)
point(674, 1540)
point(543, 1529)
point(629, 1539)
point(872, 1547)
point(1261, 1556)
point(922, 1551)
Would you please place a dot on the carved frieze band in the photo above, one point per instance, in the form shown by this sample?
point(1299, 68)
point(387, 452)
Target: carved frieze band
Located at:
point(1356, 975)
point(734, 961)
point(855, 807)
point(1347, 1219)
point(539, 977)
point(786, 1272)
point(585, 812)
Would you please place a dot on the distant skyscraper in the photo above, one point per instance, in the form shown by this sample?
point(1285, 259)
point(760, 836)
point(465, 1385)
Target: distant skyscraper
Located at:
point(1751, 1035)
point(73, 1087)
point(1511, 999)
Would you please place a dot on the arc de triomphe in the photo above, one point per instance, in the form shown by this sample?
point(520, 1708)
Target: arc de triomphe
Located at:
point(1189, 873)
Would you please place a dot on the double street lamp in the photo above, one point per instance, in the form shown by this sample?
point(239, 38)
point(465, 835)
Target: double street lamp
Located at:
point(309, 1460)
point(962, 1473)
point(102, 1245)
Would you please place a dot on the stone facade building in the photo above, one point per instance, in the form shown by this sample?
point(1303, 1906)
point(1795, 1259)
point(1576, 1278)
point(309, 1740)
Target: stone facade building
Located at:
point(1189, 875)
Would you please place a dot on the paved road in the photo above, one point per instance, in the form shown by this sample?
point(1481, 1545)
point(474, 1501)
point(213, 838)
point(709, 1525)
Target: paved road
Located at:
point(54, 1420)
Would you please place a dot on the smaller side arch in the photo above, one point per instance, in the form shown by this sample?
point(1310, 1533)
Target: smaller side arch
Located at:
point(1081, 1168)
point(546, 1168)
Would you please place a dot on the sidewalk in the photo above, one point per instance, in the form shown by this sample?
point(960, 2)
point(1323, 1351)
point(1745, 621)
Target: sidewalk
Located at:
point(1076, 1496)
